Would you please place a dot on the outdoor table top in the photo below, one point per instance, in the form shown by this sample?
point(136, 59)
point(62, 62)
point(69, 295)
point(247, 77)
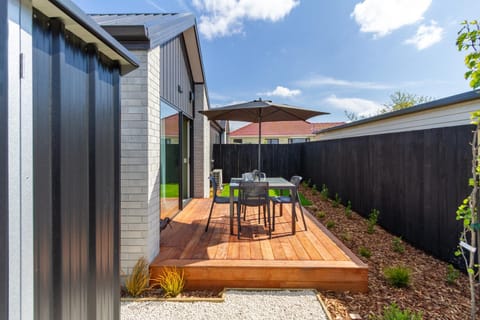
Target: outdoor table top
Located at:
point(273, 183)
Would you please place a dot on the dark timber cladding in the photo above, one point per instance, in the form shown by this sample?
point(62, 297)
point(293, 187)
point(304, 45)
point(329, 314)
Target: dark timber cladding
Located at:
point(76, 176)
point(176, 81)
point(3, 161)
point(416, 179)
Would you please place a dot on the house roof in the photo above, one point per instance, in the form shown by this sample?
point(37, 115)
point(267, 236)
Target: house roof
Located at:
point(143, 31)
point(459, 98)
point(84, 27)
point(283, 128)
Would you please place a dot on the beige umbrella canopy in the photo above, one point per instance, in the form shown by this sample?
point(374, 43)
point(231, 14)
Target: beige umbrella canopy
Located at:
point(259, 111)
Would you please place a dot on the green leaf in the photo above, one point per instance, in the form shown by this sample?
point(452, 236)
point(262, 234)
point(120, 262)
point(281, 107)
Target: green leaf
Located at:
point(470, 271)
point(458, 253)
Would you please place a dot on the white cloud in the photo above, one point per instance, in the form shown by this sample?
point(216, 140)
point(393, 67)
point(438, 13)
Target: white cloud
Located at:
point(280, 91)
point(426, 36)
point(361, 107)
point(381, 17)
point(319, 81)
point(226, 17)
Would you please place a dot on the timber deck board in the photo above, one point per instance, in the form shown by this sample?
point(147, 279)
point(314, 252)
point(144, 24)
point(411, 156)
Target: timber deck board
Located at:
point(216, 259)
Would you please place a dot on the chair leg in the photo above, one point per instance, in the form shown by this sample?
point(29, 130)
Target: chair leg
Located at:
point(264, 217)
point(258, 214)
point(239, 214)
point(303, 216)
point(273, 217)
point(269, 224)
point(209, 216)
point(244, 208)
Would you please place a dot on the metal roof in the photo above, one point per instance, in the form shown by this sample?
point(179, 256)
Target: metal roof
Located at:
point(80, 24)
point(145, 30)
point(459, 98)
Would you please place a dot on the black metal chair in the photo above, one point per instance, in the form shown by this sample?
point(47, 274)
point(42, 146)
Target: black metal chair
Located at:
point(217, 199)
point(289, 199)
point(253, 194)
point(255, 175)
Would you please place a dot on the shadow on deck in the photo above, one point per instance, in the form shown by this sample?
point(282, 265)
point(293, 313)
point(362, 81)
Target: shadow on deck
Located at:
point(216, 259)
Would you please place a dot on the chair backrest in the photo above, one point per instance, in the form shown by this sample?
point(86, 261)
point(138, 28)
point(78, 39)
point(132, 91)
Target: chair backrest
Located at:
point(296, 181)
point(247, 176)
point(253, 193)
point(214, 186)
point(258, 175)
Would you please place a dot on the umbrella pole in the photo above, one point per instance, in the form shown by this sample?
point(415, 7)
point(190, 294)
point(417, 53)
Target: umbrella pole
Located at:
point(259, 142)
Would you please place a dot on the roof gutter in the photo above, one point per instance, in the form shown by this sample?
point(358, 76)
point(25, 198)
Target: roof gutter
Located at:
point(105, 43)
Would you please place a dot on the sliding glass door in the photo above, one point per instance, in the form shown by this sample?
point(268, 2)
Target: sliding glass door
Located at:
point(169, 161)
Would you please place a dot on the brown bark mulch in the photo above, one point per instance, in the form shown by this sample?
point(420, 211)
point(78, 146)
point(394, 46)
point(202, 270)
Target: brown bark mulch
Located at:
point(428, 292)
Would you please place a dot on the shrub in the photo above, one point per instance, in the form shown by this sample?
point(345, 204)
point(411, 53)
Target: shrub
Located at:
point(348, 209)
point(314, 189)
point(397, 276)
point(372, 220)
point(392, 312)
point(452, 274)
point(324, 192)
point(336, 201)
point(397, 245)
point(171, 281)
point(330, 224)
point(365, 252)
point(137, 282)
point(320, 214)
point(346, 236)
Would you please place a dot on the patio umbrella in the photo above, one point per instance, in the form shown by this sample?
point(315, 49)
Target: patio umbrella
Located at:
point(259, 111)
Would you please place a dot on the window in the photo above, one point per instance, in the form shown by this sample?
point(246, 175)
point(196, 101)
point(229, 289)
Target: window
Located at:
point(237, 140)
point(298, 140)
point(271, 141)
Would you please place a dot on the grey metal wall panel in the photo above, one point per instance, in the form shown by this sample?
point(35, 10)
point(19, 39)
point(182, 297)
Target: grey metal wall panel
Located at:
point(45, 267)
point(176, 80)
point(3, 162)
point(76, 174)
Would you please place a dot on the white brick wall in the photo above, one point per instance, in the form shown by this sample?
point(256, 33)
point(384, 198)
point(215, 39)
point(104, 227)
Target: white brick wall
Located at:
point(140, 100)
point(201, 146)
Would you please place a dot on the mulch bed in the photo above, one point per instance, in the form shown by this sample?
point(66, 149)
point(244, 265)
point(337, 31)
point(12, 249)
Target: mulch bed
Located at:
point(428, 292)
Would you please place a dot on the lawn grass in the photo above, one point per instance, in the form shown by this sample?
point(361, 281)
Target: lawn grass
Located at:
point(169, 190)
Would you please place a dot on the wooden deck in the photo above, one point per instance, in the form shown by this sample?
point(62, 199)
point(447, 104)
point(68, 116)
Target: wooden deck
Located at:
point(216, 259)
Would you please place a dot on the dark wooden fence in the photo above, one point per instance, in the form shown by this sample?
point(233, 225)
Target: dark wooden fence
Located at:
point(416, 179)
point(277, 159)
point(76, 177)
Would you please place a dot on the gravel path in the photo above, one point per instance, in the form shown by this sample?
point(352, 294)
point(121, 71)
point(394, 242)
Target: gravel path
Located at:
point(282, 304)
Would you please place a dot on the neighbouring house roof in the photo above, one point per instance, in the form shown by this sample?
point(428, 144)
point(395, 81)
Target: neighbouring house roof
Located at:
point(444, 102)
point(143, 31)
point(283, 128)
point(84, 27)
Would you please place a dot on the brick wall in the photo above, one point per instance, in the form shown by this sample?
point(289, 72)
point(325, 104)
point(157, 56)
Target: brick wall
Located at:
point(201, 146)
point(140, 137)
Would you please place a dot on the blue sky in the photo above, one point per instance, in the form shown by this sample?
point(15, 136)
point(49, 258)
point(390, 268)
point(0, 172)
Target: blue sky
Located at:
point(326, 55)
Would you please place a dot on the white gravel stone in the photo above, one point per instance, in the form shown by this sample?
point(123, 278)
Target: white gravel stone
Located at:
point(239, 304)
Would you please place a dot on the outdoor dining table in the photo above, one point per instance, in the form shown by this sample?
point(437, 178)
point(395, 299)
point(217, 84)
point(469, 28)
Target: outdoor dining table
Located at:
point(274, 183)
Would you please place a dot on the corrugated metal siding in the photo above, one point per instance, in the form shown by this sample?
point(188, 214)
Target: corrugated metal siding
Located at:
point(3, 162)
point(174, 72)
point(76, 114)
